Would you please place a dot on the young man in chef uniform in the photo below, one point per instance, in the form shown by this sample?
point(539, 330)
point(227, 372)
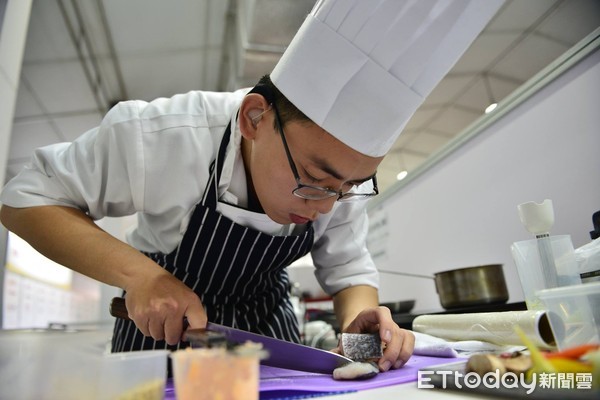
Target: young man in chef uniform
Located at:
point(230, 188)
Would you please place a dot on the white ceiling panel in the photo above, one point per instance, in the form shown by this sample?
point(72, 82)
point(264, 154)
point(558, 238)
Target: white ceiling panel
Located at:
point(395, 162)
point(47, 36)
point(584, 14)
point(519, 15)
point(31, 134)
point(452, 120)
point(530, 56)
point(473, 96)
point(484, 52)
point(146, 26)
point(427, 142)
point(26, 104)
point(388, 169)
point(256, 63)
point(271, 22)
point(147, 76)
point(501, 87)
point(485, 90)
point(412, 159)
point(404, 139)
point(93, 23)
point(215, 22)
point(60, 86)
point(448, 90)
point(422, 117)
point(211, 71)
point(385, 178)
point(391, 164)
point(110, 80)
point(73, 126)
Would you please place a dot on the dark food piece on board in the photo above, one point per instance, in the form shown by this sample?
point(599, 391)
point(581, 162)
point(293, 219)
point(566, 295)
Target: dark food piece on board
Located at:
point(362, 346)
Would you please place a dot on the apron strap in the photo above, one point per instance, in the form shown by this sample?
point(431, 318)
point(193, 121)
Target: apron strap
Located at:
point(211, 192)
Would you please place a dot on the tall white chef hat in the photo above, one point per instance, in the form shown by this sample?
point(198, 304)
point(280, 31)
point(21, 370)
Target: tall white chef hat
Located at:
point(360, 68)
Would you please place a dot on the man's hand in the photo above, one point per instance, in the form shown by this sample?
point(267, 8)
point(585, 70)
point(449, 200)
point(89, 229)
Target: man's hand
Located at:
point(159, 304)
point(399, 343)
point(357, 311)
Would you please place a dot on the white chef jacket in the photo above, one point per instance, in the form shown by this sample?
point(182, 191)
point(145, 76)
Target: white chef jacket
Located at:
point(153, 159)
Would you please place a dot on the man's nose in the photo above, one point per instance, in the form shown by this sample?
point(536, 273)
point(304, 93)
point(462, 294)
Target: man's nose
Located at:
point(323, 206)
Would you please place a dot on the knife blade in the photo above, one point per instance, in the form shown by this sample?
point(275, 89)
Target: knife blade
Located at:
point(282, 354)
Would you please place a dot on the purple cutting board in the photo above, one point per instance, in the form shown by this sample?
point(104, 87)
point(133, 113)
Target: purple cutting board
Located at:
point(290, 381)
point(272, 378)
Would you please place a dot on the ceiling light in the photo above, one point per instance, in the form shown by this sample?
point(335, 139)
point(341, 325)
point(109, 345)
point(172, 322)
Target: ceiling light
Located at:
point(491, 108)
point(401, 175)
point(488, 88)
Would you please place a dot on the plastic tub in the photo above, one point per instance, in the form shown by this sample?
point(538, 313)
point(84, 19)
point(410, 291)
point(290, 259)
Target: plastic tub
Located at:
point(532, 270)
point(136, 375)
point(207, 374)
point(74, 365)
point(574, 313)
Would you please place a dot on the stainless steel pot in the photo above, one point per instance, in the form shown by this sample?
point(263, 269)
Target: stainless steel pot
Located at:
point(484, 284)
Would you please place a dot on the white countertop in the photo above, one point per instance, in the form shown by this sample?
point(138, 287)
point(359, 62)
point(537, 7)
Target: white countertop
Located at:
point(405, 391)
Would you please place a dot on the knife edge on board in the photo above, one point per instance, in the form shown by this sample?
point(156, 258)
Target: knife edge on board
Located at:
point(282, 354)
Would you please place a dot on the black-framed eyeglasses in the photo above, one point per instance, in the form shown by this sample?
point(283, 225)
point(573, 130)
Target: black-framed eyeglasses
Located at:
point(310, 192)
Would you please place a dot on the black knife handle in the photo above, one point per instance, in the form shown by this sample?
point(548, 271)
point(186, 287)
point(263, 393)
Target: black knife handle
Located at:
point(118, 308)
point(196, 337)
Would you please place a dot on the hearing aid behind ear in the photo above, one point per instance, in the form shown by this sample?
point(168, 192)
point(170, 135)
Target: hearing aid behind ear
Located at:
point(256, 115)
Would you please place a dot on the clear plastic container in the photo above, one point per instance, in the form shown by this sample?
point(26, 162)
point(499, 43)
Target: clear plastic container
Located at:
point(574, 313)
point(530, 267)
point(136, 375)
point(207, 374)
point(74, 365)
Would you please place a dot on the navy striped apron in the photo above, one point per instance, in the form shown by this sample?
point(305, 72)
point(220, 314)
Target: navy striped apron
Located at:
point(238, 272)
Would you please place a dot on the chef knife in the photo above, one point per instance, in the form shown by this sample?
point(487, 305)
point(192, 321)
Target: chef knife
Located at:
point(282, 354)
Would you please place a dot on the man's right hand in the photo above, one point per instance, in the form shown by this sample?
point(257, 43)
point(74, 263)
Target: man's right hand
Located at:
point(159, 303)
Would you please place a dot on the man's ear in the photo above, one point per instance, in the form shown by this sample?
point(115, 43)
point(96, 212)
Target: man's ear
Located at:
point(251, 113)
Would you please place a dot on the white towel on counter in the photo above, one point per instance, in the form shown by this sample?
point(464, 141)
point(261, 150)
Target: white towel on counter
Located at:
point(428, 345)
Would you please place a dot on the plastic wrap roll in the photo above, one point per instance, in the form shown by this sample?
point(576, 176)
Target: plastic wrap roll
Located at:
point(493, 327)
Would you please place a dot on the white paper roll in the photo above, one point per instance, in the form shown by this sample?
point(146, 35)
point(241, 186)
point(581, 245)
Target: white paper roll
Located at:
point(493, 327)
